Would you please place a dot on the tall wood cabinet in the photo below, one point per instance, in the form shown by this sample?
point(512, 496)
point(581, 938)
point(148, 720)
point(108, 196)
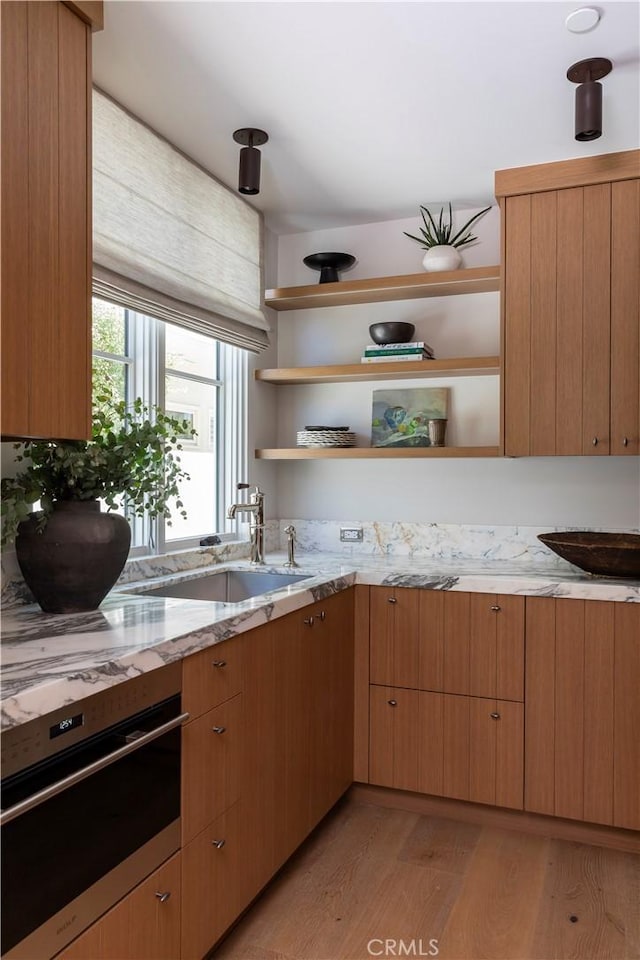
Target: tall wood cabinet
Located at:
point(46, 219)
point(571, 307)
point(582, 744)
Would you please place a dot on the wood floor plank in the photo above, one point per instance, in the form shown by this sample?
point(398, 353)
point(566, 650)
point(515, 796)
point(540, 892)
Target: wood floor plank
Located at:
point(590, 904)
point(443, 845)
point(496, 911)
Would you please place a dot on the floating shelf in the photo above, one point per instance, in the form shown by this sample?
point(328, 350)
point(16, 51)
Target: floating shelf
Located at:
point(351, 372)
point(373, 453)
point(378, 289)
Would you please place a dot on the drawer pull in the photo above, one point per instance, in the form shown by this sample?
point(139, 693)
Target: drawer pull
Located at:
point(392, 703)
point(494, 716)
point(218, 844)
point(392, 600)
point(322, 616)
point(595, 441)
point(496, 608)
point(163, 897)
point(219, 729)
point(625, 441)
point(308, 621)
point(219, 663)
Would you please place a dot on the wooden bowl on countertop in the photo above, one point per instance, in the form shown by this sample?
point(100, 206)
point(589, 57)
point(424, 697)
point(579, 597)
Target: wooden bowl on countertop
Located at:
point(604, 554)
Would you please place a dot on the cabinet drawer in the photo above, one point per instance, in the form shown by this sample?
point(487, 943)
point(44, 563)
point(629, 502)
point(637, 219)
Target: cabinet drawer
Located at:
point(212, 676)
point(212, 883)
point(211, 762)
point(145, 925)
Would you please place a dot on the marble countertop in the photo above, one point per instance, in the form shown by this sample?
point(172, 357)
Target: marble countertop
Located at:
point(51, 660)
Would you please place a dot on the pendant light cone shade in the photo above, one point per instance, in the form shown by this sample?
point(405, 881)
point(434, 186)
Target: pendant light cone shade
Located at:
point(250, 158)
point(589, 111)
point(586, 73)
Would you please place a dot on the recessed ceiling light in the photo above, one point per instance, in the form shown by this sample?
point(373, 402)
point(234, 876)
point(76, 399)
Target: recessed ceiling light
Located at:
point(583, 20)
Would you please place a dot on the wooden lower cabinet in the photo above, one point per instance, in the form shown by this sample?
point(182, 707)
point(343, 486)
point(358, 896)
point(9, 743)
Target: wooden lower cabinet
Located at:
point(582, 743)
point(466, 748)
point(212, 676)
point(145, 925)
point(213, 885)
point(212, 749)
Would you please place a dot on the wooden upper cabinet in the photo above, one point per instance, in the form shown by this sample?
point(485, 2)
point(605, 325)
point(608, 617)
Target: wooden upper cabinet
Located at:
point(46, 221)
point(571, 308)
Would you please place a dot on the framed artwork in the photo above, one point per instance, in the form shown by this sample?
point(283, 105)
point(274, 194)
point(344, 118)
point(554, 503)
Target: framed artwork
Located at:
point(400, 418)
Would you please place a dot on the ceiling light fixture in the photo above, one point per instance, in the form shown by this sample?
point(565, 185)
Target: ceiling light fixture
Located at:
point(583, 20)
point(586, 73)
point(249, 172)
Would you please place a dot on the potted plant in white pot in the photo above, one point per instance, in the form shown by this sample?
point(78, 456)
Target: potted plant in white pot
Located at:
point(70, 552)
point(440, 242)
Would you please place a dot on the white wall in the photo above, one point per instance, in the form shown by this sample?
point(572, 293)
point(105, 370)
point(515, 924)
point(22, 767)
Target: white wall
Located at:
point(599, 492)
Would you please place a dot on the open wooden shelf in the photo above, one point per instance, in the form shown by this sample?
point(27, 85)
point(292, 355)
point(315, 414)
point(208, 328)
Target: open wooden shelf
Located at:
point(378, 289)
point(351, 372)
point(372, 453)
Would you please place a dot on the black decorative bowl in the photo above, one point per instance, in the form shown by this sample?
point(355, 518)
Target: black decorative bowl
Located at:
point(606, 554)
point(395, 331)
point(328, 264)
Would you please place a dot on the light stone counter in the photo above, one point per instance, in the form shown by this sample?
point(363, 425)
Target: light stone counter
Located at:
point(50, 660)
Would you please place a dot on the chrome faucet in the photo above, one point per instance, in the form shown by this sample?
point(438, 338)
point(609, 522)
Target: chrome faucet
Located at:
point(255, 507)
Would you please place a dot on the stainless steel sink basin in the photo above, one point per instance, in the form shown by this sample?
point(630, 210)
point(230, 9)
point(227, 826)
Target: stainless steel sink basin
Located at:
point(229, 586)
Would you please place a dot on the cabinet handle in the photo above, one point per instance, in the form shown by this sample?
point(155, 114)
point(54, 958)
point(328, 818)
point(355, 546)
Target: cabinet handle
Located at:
point(308, 621)
point(392, 703)
point(496, 608)
point(322, 615)
point(625, 441)
point(595, 441)
point(494, 716)
point(219, 729)
point(163, 897)
point(219, 663)
point(392, 600)
point(218, 844)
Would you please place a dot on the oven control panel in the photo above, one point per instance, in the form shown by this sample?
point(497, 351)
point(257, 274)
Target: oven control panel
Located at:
point(42, 737)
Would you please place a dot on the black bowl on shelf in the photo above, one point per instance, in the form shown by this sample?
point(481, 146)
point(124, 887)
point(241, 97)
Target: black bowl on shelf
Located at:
point(395, 331)
point(329, 264)
point(605, 554)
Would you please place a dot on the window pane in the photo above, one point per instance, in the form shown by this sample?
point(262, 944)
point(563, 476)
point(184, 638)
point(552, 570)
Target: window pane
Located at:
point(195, 402)
point(109, 328)
point(190, 352)
point(109, 376)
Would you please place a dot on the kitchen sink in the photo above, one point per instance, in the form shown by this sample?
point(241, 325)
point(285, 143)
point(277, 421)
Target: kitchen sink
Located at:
point(229, 586)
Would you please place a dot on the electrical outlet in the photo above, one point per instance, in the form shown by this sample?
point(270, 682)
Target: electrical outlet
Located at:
point(351, 534)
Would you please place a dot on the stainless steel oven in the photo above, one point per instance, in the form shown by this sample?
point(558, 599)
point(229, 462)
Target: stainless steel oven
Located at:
point(90, 806)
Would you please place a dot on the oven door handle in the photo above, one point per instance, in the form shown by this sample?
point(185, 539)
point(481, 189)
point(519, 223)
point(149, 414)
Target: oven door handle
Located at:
point(56, 788)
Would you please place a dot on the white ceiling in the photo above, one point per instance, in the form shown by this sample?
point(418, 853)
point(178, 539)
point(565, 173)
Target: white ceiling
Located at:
point(371, 108)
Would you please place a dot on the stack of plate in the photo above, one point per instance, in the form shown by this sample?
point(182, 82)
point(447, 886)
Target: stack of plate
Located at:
point(320, 436)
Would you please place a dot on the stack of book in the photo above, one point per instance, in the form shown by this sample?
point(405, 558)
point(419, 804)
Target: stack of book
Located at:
point(394, 352)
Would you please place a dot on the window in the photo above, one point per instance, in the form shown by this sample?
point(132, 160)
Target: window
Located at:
point(195, 378)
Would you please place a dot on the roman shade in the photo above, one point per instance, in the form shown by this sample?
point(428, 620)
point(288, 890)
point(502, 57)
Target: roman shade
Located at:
point(169, 240)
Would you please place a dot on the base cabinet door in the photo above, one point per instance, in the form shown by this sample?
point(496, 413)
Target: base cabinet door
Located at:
point(145, 925)
point(394, 740)
point(583, 710)
point(212, 883)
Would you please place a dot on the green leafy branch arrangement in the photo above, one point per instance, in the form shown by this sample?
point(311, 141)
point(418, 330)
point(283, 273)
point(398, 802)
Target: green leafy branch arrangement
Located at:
point(440, 233)
point(132, 451)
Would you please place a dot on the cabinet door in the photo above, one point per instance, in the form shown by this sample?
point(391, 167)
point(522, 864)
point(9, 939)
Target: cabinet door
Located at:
point(557, 322)
point(496, 732)
point(145, 925)
point(46, 217)
point(395, 636)
point(582, 710)
point(625, 317)
point(394, 742)
point(331, 692)
point(211, 765)
point(212, 882)
point(212, 676)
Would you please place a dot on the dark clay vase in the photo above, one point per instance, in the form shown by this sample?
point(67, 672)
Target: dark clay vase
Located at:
point(74, 562)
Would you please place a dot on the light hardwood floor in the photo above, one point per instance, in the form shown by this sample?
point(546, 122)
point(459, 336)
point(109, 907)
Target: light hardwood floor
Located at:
point(371, 873)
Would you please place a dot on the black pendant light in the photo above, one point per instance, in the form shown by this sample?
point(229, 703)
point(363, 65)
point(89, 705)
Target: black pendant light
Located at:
point(249, 172)
point(586, 73)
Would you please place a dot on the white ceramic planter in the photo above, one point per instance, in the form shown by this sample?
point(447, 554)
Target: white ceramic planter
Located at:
point(441, 257)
